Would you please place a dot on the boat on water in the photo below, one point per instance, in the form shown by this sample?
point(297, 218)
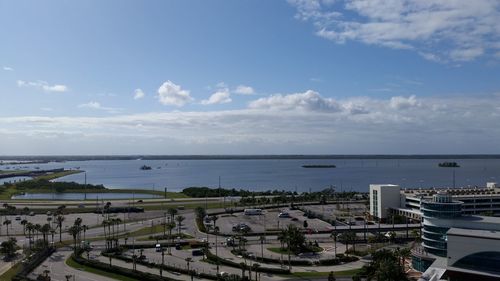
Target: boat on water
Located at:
point(144, 167)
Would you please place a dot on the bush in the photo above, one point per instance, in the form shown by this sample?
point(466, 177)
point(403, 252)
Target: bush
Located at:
point(33, 263)
point(220, 260)
point(165, 266)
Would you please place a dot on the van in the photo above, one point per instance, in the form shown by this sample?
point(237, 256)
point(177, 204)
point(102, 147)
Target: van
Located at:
point(158, 247)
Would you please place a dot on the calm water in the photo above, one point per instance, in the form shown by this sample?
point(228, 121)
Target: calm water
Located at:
point(81, 196)
point(352, 174)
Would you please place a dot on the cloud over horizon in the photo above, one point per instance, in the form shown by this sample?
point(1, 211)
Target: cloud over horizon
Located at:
point(305, 122)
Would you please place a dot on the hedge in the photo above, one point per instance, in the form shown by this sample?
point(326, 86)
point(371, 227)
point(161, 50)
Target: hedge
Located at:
point(230, 263)
point(34, 262)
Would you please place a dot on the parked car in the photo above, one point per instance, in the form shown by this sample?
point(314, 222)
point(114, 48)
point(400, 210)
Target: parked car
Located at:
point(295, 219)
point(241, 227)
point(230, 241)
point(32, 214)
point(178, 247)
point(18, 218)
point(223, 274)
point(284, 215)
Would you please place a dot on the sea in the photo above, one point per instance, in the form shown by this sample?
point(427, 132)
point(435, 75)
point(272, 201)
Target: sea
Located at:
point(280, 174)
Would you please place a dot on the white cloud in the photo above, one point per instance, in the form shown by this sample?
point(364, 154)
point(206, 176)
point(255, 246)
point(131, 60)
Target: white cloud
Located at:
point(244, 90)
point(358, 125)
point(309, 100)
point(97, 106)
point(219, 97)
point(404, 103)
point(7, 68)
point(138, 94)
point(43, 85)
point(172, 94)
point(459, 30)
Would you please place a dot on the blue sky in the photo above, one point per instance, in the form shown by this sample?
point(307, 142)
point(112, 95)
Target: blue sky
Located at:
point(217, 77)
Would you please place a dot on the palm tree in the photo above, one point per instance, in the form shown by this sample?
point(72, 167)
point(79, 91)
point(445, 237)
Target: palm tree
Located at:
point(37, 230)
point(172, 212)
point(170, 226)
point(334, 235)
point(30, 228)
point(60, 219)
point(45, 229)
point(243, 268)
point(104, 225)
point(7, 223)
point(346, 238)
point(74, 231)
point(255, 267)
point(84, 228)
point(179, 220)
point(23, 223)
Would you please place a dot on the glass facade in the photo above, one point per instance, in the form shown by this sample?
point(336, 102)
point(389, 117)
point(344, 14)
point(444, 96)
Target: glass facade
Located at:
point(375, 203)
point(434, 237)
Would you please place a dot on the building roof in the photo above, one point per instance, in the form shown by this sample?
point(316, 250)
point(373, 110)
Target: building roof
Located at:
point(477, 233)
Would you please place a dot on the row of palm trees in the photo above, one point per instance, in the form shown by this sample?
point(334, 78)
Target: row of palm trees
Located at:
point(113, 229)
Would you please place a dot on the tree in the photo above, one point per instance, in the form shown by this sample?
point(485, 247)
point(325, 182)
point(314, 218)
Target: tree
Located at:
point(331, 277)
point(45, 229)
point(23, 223)
point(179, 220)
point(172, 212)
point(7, 223)
point(348, 237)
point(74, 231)
point(30, 228)
point(8, 248)
point(334, 235)
point(385, 266)
point(59, 220)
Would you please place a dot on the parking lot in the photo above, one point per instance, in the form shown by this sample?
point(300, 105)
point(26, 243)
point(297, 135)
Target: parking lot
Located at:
point(269, 221)
point(344, 212)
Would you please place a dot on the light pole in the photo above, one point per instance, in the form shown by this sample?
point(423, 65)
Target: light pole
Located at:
point(162, 261)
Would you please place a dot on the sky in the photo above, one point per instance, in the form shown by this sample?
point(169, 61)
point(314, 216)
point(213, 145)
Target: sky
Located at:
point(249, 77)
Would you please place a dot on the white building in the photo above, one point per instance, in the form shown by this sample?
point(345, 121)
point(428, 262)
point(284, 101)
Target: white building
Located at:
point(383, 197)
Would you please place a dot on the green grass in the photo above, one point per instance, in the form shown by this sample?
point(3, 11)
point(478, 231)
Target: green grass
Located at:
point(279, 250)
point(9, 274)
point(343, 273)
point(70, 262)
point(13, 172)
point(58, 175)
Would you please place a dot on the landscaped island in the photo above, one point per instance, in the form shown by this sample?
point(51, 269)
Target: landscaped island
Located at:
point(318, 166)
point(449, 165)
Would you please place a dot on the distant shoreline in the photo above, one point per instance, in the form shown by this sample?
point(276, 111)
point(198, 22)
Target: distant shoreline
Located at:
point(59, 158)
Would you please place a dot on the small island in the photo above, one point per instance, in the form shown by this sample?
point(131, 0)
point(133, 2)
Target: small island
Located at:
point(318, 166)
point(449, 165)
point(144, 167)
